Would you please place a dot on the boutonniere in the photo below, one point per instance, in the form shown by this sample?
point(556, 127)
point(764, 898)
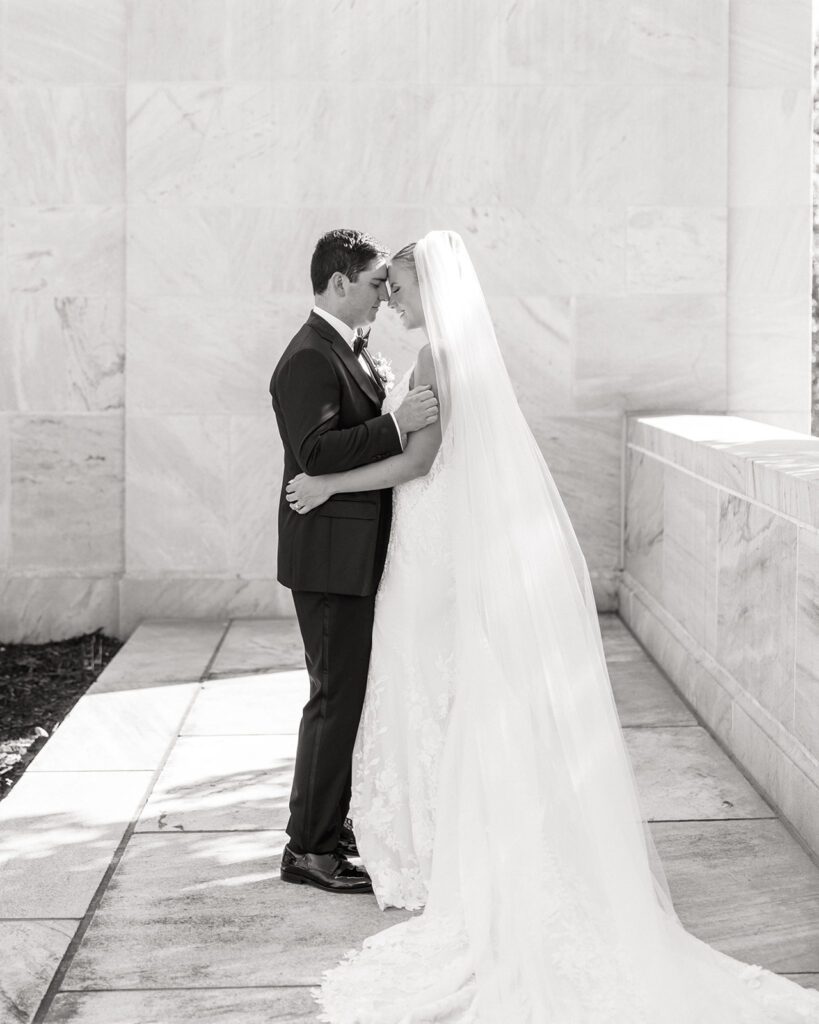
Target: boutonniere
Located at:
point(384, 371)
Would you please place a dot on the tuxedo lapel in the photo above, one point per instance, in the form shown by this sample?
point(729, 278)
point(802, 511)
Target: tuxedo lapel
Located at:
point(345, 354)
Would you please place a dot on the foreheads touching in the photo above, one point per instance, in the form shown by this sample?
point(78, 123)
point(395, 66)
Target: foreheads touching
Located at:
point(405, 293)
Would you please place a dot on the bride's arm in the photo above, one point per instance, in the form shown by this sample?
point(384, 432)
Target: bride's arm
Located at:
point(422, 446)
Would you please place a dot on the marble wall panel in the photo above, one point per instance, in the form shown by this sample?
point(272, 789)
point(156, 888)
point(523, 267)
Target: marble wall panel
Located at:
point(61, 145)
point(256, 464)
point(167, 597)
point(350, 42)
point(5, 491)
point(650, 352)
point(72, 41)
point(35, 609)
point(537, 337)
point(643, 527)
point(177, 494)
point(206, 356)
point(769, 250)
point(678, 40)
point(62, 354)
point(582, 455)
point(675, 145)
point(770, 44)
point(66, 493)
point(755, 603)
point(806, 713)
point(769, 140)
point(690, 513)
point(769, 351)
point(676, 249)
point(66, 250)
point(553, 250)
point(563, 42)
point(180, 41)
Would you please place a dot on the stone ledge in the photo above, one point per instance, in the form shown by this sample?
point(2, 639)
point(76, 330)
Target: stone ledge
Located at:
point(769, 465)
point(783, 769)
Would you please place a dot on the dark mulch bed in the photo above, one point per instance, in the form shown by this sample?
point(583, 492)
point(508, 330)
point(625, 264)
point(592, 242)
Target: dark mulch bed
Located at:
point(39, 684)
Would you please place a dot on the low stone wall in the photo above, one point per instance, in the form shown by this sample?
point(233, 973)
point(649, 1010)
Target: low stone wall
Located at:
point(721, 585)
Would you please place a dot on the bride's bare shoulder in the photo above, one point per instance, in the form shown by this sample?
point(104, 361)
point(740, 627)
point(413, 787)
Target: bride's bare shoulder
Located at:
point(424, 372)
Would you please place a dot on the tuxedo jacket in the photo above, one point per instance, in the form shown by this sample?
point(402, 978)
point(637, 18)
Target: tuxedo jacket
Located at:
point(328, 411)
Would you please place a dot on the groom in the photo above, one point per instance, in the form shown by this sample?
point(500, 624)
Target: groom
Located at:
point(327, 398)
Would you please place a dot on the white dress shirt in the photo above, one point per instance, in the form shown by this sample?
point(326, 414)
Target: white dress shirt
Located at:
point(348, 334)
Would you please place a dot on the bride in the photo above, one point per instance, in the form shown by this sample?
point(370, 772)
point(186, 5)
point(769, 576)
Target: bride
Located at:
point(491, 779)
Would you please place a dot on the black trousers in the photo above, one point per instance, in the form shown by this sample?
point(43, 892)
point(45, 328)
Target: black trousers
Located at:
point(337, 634)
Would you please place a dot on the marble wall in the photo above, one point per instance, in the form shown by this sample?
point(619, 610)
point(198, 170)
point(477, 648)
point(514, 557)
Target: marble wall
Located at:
point(721, 585)
point(166, 166)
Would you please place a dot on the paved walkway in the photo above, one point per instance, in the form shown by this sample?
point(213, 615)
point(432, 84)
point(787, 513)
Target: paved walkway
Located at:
point(139, 852)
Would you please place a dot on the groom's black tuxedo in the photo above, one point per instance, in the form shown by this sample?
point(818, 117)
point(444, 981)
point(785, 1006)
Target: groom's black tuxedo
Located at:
point(328, 413)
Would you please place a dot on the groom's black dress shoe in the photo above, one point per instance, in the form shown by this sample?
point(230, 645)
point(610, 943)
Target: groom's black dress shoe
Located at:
point(328, 871)
point(347, 845)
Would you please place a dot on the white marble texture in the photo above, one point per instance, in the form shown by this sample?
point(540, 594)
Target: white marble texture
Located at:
point(162, 652)
point(36, 609)
point(255, 479)
point(207, 355)
point(644, 520)
point(180, 41)
point(63, 354)
point(769, 140)
point(177, 493)
point(260, 645)
point(32, 951)
point(755, 603)
point(164, 596)
point(678, 40)
point(768, 246)
point(581, 455)
point(5, 491)
point(768, 350)
point(369, 41)
point(61, 145)
point(66, 493)
point(66, 41)
point(770, 44)
point(689, 552)
point(267, 702)
point(650, 352)
point(806, 709)
point(676, 249)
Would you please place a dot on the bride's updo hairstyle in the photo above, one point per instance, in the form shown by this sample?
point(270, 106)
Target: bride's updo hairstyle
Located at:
point(406, 257)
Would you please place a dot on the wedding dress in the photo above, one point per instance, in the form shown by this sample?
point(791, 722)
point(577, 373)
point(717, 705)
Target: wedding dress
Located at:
point(547, 902)
point(409, 692)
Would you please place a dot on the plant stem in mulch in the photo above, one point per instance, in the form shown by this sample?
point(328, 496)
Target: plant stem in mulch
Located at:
point(39, 684)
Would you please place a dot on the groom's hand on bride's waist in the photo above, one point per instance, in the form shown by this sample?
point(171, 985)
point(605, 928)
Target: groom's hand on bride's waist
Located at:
point(418, 410)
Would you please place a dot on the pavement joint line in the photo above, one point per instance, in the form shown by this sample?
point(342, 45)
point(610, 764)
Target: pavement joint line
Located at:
point(85, 922)
point(207, 988)
point(215, 651)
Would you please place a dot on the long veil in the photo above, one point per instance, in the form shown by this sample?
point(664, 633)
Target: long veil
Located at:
point(548, 903)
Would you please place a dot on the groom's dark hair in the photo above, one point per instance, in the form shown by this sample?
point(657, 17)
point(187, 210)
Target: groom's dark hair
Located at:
point(343, 251)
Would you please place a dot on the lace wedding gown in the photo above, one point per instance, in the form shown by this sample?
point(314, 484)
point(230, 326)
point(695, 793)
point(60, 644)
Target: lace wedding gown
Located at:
point(409, 692)
point(491, 766)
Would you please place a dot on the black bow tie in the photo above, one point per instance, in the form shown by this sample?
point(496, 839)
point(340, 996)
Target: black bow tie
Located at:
point(360, 343)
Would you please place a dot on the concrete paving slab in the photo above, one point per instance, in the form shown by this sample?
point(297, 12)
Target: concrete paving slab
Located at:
point(157, 653)
point(117, 730)
point(190, 910)
point(32, 951)
point(259, 645)
point(223, 782)
point(645, 697)
point(270, 702)
point(682, 773)
point(746, 887)
point(186, 1006)
point(58, 833)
